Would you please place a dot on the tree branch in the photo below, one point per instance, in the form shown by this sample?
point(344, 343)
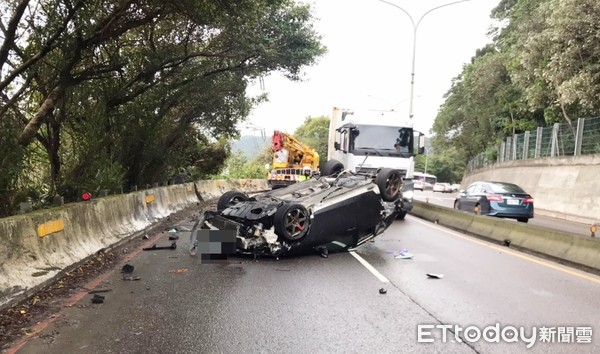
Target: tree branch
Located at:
point(11, 31)
point(43, 51)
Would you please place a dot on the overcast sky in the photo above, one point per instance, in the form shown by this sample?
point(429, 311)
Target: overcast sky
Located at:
point(368, 63)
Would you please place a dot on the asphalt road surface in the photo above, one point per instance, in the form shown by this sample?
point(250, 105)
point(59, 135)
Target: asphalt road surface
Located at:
point(447, 200)
point(312, 304)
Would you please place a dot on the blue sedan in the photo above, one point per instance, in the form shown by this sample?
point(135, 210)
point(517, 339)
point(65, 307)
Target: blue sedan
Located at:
point(501, 199)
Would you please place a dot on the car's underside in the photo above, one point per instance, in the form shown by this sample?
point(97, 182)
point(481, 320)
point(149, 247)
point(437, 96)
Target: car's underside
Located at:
point(320, 215)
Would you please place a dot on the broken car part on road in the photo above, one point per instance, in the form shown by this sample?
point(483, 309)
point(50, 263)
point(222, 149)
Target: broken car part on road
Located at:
point(155, 247)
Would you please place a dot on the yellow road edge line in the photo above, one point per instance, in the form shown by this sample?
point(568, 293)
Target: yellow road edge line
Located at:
point(510, 252)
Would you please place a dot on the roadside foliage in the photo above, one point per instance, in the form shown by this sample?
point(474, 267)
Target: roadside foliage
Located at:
point(314, 132)
point(542, 67)
point(109, 94)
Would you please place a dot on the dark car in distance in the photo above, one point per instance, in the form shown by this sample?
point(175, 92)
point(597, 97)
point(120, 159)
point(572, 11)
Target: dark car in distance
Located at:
point(500, 199)
point(331, 213)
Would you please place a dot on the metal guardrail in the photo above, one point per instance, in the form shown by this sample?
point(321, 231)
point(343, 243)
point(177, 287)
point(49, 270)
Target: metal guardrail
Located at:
point(558, 140)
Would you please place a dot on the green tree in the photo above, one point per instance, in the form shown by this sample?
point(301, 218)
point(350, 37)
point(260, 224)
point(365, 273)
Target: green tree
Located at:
point(110, 93)
point(238, 167)
point(541, 68)
point(314, 132)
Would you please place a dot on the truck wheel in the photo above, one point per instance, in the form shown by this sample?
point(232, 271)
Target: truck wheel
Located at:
point(291, 221)
point(231, 198)
point(332, 167)
point(389, 182)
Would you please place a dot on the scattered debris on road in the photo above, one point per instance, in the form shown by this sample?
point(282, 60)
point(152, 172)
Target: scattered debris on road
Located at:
point(182, 270)
point(132, 278)
point(435, 276)
point(98, 291)
point(173, 237)
point(507, 243)
point(127, 268)
point(404, 254)
point(48, 301)
point(382, 291)
point(155, 247)
point(98, 299)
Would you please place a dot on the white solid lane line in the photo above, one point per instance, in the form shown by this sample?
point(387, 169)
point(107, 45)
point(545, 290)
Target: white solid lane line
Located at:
point(371, 269)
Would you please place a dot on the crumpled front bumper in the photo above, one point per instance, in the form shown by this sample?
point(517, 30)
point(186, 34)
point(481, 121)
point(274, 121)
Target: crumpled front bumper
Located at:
point(214, 234)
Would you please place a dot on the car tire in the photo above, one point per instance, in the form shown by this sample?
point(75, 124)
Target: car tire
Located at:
point(291, 221)
point(478, 206)
point(456, 205)
point(332, 167)
point(231, 198)
point(525, 220)
point(389, 182)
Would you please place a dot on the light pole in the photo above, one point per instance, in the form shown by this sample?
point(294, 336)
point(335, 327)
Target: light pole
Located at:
point(415, 27)
point(427, 150)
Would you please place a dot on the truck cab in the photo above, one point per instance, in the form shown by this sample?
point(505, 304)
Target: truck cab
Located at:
point(366, 141)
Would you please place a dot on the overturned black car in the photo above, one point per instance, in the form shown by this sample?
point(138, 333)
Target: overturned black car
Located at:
point(333, 213)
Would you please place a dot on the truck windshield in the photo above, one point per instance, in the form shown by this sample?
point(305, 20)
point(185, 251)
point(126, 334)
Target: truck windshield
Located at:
point(388, 140)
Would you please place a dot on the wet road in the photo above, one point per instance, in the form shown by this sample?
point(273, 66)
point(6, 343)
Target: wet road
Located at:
point(312, 304)
point(576, 228)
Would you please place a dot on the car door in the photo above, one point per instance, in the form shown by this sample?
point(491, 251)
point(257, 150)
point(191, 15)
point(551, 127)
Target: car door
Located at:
point(472, 195)
point(336, 220)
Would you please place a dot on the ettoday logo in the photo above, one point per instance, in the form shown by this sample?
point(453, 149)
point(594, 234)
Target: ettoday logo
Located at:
point(508, 334)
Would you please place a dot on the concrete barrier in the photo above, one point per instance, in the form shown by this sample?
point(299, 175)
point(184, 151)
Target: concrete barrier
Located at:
point(36, 247)
point(574, 249)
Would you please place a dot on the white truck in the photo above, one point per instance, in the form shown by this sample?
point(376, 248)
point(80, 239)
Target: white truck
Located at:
point(369, 140)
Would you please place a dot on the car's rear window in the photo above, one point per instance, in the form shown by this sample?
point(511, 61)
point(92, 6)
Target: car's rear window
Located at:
point(506, 188)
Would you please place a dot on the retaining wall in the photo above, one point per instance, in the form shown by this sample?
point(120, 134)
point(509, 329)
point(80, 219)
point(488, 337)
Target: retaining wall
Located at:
point(36, 247)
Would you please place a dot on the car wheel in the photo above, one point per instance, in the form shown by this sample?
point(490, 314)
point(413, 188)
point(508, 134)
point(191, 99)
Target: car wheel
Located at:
point(332, 167)
point(291, 221)
point(523, 219)
point(456, 205)
point(231, 198)
point(478, 209)
point(389, 182)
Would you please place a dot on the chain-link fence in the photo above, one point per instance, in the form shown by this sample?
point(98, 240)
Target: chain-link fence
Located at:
point(579, 138)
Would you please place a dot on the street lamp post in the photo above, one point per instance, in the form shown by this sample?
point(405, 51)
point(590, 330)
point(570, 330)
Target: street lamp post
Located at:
point(427, 150)
point(415, 27)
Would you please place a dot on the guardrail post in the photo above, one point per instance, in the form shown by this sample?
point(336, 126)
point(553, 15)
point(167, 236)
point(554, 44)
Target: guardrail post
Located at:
point(25, 207)
point(509, 143)
point(498, 148)
point(554, 141)
point(58, 200)
point(538, 142)
point(579, 136)
point(515, 139)
point(501, 156)
point(526, 146)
